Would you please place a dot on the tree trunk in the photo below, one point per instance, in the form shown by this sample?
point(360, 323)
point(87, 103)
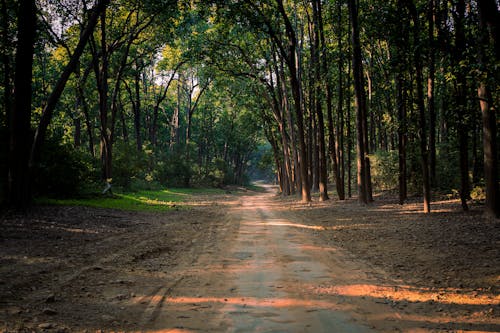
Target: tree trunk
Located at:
point(6, 62)
point(19, 177)
point(360, 98)
point(461, 102)
point(421, 108)
point(52, 100)
point(489, 27)
point(297, 97)
point(102, 74)
point(349, 131)
point(323, 172)
point(431, 75)
point(289, 120)
point(402, 129)
point(137, 110)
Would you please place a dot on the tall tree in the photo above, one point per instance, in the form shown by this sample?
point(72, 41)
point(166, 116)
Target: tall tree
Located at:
point(417, 59)
point(18, 179)
point(360, 94)
point(323, 172)
point(489, 31)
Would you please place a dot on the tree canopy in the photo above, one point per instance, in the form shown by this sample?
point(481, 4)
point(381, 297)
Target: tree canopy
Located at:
point(365, 95)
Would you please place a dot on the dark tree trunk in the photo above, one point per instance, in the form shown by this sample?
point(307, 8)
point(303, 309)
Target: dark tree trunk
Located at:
point(6, 63)
point(19, 176)
point(297, 97)
point(333, 145)
point(323, 172)
point(137, 110)
point(359, 89)
point(489, 27)
point(461, 102)
point(102, 73)
point(349, 132)
point(401, 103)
point(430, 92)
point(289, 120)
point(421, 108)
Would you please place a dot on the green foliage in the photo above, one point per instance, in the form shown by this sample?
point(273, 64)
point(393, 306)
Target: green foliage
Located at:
point(384, 169)
point(447, 166)
point(174, 170)
point(130, 166)
point(64, 170)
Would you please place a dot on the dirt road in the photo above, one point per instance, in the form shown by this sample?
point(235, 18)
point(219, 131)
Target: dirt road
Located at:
point(250, 263)
point(267, 280)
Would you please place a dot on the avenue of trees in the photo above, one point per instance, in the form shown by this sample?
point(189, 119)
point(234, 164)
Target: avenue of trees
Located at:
point(366, 95)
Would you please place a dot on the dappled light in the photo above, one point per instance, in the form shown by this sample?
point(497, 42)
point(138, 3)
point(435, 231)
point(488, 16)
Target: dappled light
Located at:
point(257, 302)
point(410, 294)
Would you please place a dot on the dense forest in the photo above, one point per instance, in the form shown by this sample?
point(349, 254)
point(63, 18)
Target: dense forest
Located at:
point(365, 95)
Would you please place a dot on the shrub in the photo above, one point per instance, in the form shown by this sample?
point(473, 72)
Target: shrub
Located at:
point(384, 170)
point(173, 170)
point(129, 164)
point(63, 170)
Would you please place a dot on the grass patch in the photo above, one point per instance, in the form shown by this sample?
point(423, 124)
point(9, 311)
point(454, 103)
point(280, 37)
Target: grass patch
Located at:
point(256, 188)
point(153, 201)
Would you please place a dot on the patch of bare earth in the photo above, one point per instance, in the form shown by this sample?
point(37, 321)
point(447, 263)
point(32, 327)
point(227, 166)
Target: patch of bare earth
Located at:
point(77, 269)
point(74, 269)
point(438, 271)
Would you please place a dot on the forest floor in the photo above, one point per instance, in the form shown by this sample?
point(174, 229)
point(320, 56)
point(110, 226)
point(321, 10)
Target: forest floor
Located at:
point(251, 262)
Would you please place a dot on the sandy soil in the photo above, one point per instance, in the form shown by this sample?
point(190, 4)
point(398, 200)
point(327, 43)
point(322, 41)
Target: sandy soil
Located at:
point(248, 263)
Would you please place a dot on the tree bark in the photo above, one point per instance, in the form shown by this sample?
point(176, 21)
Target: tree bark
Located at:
point(19, 175)
point(461, 100)
point(421, 107)
point(402, 129)
point(360, 98)
point(323, 172)
point(431, 77)
point(6, 63)
point(489, 27)
point(296, 92)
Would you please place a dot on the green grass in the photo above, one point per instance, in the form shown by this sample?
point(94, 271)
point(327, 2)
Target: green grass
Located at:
point(155, 201)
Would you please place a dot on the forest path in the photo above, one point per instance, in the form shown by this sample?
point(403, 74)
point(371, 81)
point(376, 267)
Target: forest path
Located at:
point(270, 277)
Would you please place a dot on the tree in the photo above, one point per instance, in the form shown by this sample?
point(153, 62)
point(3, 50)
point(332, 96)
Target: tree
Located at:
point(359, 88)
point(421, 106)
point(489, 30)
point(18, 179)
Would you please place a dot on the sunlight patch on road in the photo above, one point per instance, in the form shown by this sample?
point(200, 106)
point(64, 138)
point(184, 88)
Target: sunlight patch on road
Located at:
point(410, 294)
point(285, 223)
point(435, 320)
point(257, 302)
point(170, 330)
